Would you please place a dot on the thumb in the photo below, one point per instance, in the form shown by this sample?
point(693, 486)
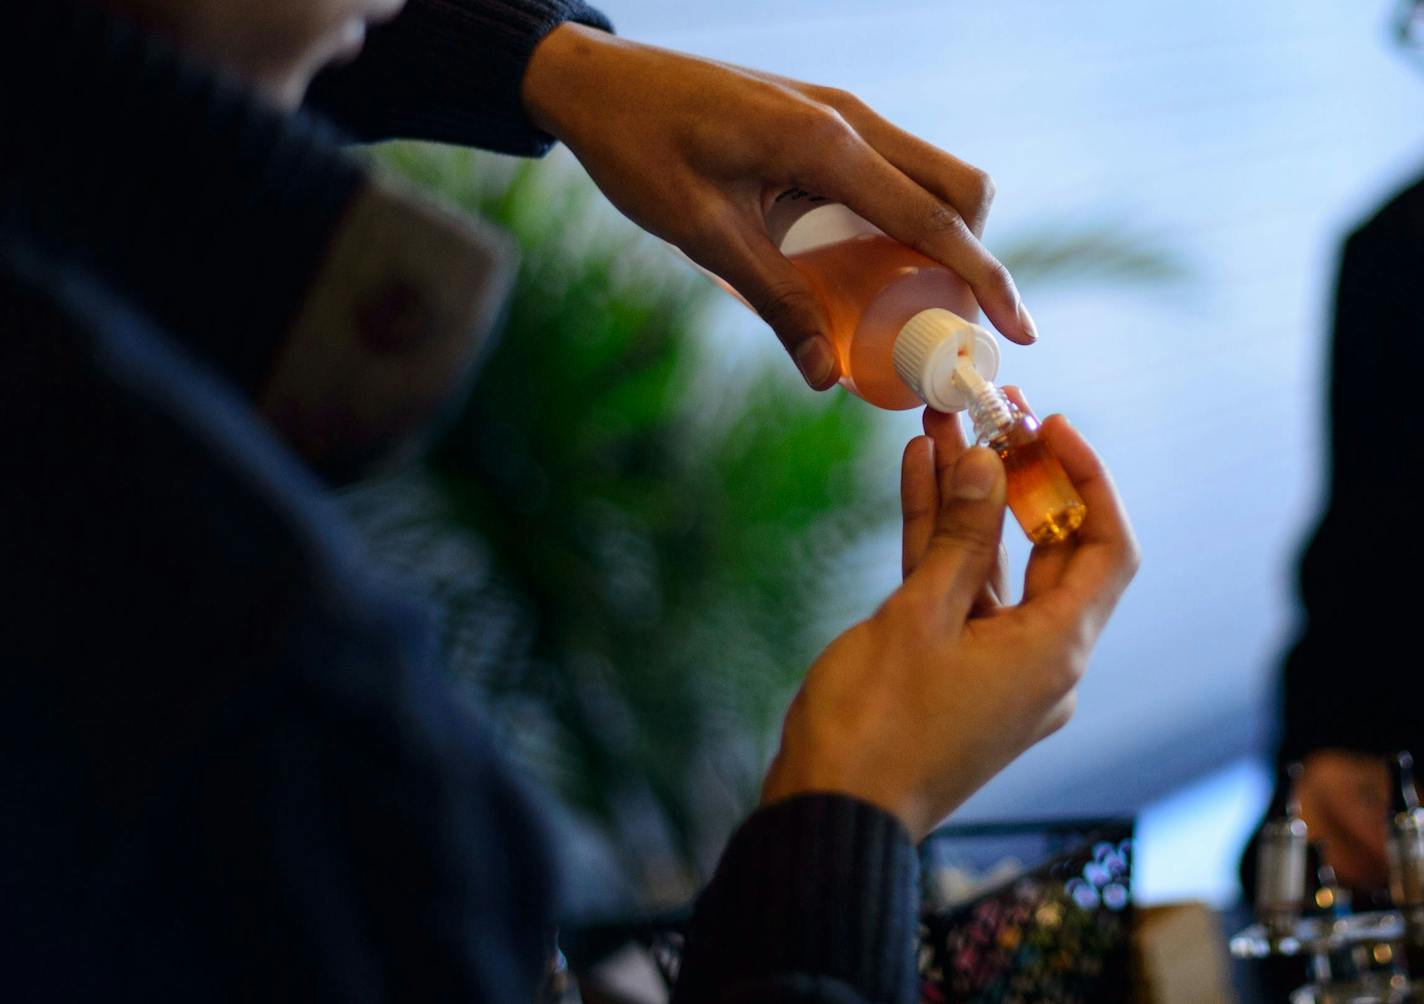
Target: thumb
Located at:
point(747, 260)
point(968, 529)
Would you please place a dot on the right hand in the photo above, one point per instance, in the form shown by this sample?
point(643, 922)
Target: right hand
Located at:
point(1344, 799)
point(915, 708)
point(690, 149)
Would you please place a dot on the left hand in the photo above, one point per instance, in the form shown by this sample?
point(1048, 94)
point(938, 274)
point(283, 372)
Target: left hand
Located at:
point(692, 150)
point(1344, 798)
point(915, 707)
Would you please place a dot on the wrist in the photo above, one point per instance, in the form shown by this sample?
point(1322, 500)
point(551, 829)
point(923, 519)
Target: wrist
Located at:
point(790, 777)
point(558, 77)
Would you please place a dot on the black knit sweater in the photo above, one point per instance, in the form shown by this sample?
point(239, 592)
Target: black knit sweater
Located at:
point(228, 770)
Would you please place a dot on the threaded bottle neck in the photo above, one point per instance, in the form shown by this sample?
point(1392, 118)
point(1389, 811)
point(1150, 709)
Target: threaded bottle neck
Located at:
point(992, 413)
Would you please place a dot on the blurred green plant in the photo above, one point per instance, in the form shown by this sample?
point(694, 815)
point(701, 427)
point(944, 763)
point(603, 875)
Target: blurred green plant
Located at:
point(639, 566)
point(651, 554)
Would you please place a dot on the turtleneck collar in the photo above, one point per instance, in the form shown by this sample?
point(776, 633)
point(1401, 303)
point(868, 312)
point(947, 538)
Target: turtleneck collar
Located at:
point(194, 199)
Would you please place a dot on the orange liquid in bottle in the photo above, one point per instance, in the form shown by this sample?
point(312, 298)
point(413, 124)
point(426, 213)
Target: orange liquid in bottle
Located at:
point(871, 286)
point(1041, 497)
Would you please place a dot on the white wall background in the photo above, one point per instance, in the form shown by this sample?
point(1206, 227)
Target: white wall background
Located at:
point(1246, 137)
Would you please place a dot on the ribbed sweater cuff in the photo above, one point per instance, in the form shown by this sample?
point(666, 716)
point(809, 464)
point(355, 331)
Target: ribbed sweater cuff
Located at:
point(818, 886)
point(451, 71)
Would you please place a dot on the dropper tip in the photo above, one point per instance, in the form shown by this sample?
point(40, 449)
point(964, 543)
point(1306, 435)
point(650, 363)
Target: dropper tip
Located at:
point(966, 374)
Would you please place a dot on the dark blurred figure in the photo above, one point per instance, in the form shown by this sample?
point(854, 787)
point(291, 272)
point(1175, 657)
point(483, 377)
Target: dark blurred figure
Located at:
point(1352, 690)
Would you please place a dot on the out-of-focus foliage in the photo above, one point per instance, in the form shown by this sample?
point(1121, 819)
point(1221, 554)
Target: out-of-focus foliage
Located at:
point(649, 555)
point(1062, 252)
point(630, 568)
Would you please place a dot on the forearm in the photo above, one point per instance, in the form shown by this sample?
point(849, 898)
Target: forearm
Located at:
point(451, 71)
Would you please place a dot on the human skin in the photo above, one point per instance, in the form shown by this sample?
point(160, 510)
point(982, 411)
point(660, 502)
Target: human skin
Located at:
point(1344, 800)
point(278, 46)
point(692, 150)
point(652, 127)
point(916, 707)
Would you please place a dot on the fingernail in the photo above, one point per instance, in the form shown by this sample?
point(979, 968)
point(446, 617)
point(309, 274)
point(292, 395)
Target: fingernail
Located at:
point(816, 362)
point(1026, 319)
point(975, 474)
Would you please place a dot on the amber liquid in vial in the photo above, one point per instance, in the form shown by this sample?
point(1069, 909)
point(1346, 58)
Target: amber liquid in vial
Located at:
point(1041, 497)
point(871, 286)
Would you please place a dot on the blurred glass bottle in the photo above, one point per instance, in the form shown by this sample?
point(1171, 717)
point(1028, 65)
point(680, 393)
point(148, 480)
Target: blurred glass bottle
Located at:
point(1404, 850)
point(1281, 860)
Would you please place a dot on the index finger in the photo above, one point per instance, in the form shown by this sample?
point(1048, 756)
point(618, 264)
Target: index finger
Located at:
point(857, 175)
point(919, 501)
point(959, 183)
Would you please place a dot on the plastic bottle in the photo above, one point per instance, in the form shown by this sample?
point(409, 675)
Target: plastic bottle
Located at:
point(900, 344)
point(872, 288)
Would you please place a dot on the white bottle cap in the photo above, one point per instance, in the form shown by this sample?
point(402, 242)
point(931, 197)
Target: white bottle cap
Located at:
point(928, 349)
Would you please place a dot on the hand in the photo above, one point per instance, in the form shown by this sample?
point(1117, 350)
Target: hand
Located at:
point(693, 150)
point(1344, 799)
point(915, 708)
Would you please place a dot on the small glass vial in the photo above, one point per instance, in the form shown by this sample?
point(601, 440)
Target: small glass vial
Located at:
point(1041, 496)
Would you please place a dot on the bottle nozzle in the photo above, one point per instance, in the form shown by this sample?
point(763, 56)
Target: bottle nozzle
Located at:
point(967, 375)
point(930, 350)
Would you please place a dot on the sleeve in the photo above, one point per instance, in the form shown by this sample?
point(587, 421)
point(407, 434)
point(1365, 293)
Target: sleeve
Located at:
point(231, 769)
point(814, 900)
point(1346, 681)
point(450, 71)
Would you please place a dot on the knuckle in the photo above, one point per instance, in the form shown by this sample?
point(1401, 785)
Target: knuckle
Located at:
point(983, 189)
point(908, 608)
point(829, 131)
point(1073, 670)
point(1132, 558)
point(840, 99)
point(1061, 714)
point(981, 198)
